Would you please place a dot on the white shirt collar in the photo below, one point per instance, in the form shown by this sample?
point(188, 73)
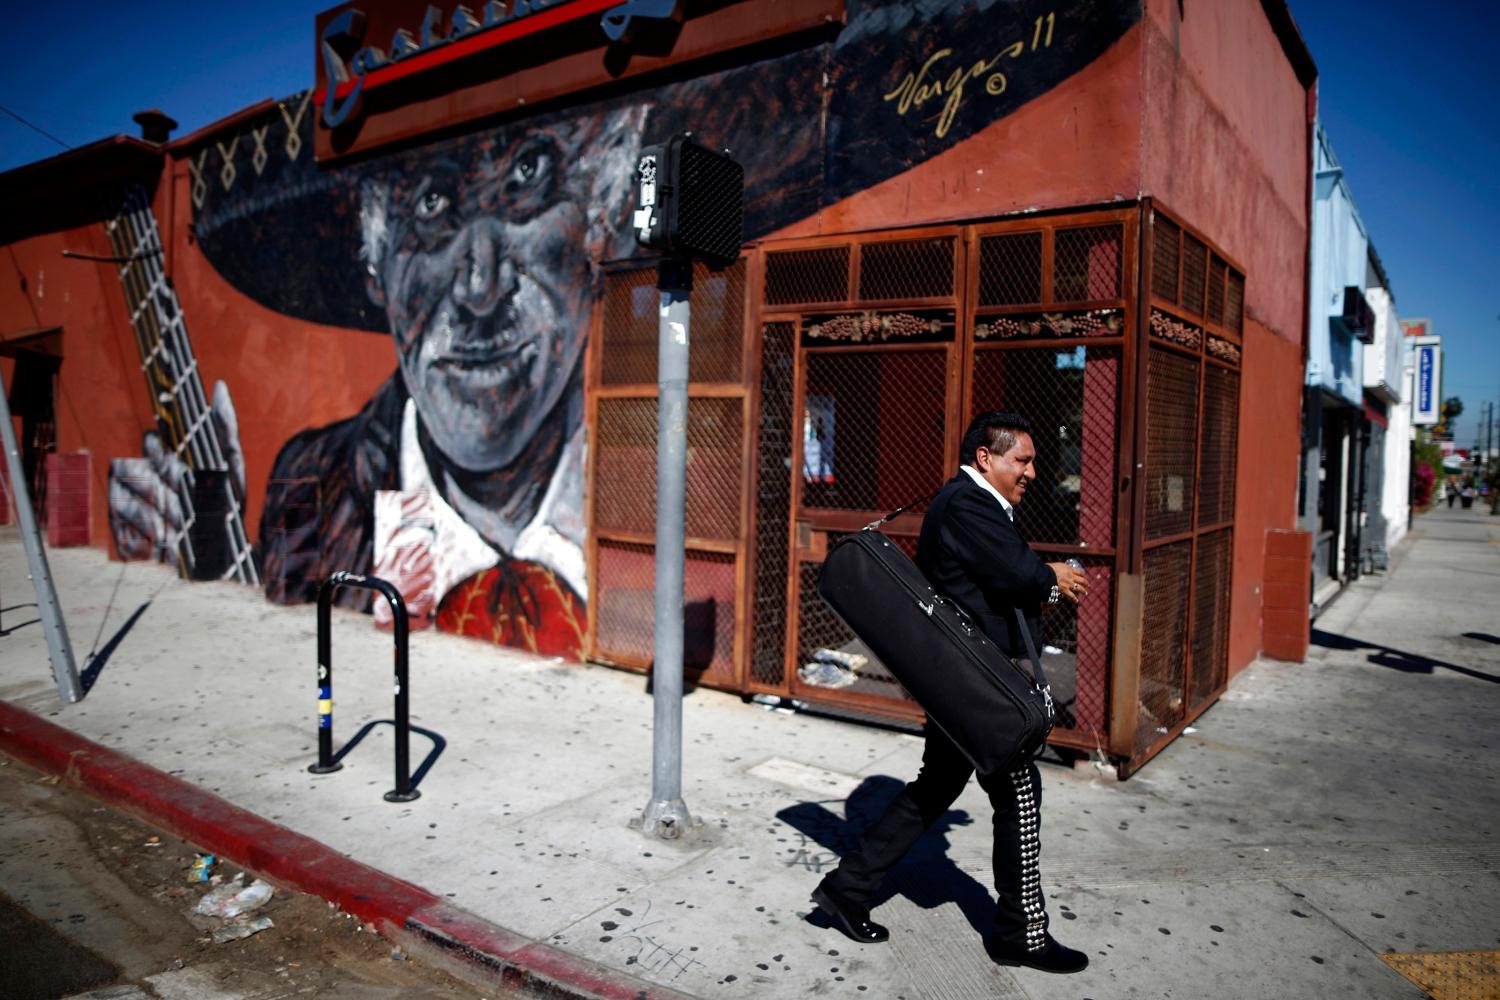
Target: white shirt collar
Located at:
point(985, 484)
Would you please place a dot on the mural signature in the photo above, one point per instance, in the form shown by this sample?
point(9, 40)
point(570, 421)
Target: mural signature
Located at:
point(928, 82)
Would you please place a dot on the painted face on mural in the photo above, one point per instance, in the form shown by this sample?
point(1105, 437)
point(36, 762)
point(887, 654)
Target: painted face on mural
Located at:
point(482, 253)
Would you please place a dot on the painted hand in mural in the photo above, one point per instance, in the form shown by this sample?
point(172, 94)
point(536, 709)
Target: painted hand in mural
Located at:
point(150, 498)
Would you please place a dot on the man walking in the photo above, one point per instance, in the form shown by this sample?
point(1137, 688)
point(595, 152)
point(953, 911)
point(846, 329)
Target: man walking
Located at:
point(972, 553)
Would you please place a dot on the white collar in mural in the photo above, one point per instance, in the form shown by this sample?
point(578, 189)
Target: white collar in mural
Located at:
point(554, 538)
point(984, 483)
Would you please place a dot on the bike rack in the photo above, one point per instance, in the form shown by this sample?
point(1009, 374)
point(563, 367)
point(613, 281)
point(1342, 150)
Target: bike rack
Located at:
point(328, 761)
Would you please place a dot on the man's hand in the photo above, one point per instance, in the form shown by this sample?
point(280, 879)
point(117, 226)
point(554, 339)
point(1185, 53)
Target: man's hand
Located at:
point(149, 497)
point(1070, 583)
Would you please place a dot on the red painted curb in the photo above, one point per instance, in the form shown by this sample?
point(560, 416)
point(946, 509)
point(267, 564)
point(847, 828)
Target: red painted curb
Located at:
point(306, 865)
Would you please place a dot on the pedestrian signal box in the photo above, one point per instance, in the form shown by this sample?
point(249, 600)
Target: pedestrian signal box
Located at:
point(690, 201)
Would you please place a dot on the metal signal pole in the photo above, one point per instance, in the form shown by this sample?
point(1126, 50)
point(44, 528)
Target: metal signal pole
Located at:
point(59, 649)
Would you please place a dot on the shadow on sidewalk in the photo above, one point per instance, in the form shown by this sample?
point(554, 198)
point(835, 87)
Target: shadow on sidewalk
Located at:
point(927, 876)
point(1410, 663)
point(96, 663)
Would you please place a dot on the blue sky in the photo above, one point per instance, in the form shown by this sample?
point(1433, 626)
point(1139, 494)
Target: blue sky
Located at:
point(1410, 94)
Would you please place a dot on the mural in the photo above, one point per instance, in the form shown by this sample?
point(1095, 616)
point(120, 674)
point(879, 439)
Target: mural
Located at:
point(461, 480)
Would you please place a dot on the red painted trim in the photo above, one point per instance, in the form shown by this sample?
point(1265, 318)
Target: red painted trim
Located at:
point(302, 864)
point(480, 41)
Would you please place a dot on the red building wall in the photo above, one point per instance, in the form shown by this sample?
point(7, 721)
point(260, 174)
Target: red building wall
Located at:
point(1225, 132)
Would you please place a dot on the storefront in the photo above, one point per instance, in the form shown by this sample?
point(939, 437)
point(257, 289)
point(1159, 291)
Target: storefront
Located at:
point(418, 285)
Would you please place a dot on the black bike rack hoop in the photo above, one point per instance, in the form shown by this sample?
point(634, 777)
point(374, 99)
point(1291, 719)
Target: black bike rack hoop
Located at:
point(328, 761)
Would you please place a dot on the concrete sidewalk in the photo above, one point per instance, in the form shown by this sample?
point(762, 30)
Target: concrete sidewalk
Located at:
point(1321, 814)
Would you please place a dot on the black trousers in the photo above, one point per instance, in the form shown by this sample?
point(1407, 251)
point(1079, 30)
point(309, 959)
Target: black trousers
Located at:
point(1021, 913)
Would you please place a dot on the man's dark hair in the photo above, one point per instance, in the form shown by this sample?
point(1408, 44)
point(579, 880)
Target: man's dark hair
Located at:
point(995, 430)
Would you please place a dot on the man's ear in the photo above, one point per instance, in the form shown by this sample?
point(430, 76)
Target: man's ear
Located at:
point(374, 234)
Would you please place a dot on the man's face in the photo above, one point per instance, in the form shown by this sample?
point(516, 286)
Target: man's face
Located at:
point(481, 253)
point(1012, 472)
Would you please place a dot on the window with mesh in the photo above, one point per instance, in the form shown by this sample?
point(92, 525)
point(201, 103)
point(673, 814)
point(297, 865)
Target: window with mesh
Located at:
point(1087, 263)
point(625, 476)
point(1171, 441)
point(773, 486)
point(628, 331)
point(624, 602)
point(1234, 301)
point(1077, 643)
point(630, 336)
point(872, 427)
point(1010, 269)
point(795, 277)
point(906, 269)
point(1221, 403)
point(1071, 397)
point(1211, 613)
point(1217, 272)
point(1163, 640)
point(1194, 273)
point(1164, 257)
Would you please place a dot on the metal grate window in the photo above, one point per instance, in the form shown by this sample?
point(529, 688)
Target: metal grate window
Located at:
point(1010, 269)
point(625, 612)
point(625, 494)
point(1217, 271)
point(906, 269)
point(1211, 613)
point(1071, 396)
point(872, 427)
point(773, 489)
point(1194, 274)
point(1171, 441)
point(629, 339)
point(807, 276)
point(1087, 263)
point(1164, 257)
point(1163, 640)
point(1221, 403)
point(1234, 302)
point(1083, 637)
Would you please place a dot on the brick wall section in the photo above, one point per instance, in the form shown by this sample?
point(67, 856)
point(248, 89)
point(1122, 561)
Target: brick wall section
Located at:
point(1287, 594)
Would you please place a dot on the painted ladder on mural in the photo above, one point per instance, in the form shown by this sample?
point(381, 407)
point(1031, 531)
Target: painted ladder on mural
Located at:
point(175, 387)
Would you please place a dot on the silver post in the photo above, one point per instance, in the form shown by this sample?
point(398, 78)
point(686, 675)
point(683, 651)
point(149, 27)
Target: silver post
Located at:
point(666, 815)
point(59, 649)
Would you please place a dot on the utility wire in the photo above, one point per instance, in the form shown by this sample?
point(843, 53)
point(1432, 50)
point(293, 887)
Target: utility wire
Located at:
point(34, 128)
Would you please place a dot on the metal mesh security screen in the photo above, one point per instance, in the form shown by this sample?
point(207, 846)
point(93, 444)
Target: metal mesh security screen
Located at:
point(1165, 235)
point(632, 324)
point(710, 203)
point(1087, 263)
point(625, 617)
point(625, 478)
point(1163, 640)
point(1071, 396)
point(873, 427)
point(1171, 441)
point(1194, 274)
point(1211, 613)
point(1221, 400)
point(1076, 644)
point(907, 269)
point(1010, 269)
point(773, 496)
point(796, 277)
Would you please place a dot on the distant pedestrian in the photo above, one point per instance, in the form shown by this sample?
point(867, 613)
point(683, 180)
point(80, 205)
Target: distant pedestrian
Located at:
point(1452, 494)
point(972, 553)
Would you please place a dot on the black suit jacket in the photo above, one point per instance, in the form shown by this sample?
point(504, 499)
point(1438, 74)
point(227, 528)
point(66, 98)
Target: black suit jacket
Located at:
point(973, 554)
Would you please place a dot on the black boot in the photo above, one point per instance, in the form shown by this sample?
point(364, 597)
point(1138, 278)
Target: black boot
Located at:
point(850, 917)
point(1051, 957)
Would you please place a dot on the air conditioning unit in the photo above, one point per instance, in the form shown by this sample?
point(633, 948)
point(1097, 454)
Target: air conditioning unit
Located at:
point(1359, 318)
